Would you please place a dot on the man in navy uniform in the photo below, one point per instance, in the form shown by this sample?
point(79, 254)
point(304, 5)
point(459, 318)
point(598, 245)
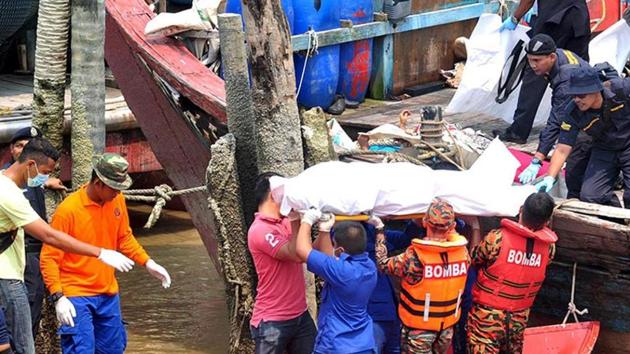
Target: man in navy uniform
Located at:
point(556, 65)
point(568, 23)
point(604, 114)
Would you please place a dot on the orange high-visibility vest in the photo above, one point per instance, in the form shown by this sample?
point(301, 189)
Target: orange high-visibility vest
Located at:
point(434, 302)
point(512, 282)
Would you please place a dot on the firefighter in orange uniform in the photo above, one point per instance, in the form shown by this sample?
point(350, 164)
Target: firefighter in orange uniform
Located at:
point(512, 262)
point(433, 272)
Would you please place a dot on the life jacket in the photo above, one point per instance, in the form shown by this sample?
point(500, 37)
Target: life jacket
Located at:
point(434, 302)
point(513, 280)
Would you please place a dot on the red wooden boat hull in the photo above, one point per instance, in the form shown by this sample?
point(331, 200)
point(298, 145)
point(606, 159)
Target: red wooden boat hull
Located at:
point(141, 66)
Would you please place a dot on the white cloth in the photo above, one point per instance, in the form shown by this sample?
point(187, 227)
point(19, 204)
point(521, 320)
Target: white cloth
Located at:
point(403, 188)
point(612, 45)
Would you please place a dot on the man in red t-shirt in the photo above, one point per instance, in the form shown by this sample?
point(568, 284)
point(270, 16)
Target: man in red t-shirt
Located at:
point(280, 322)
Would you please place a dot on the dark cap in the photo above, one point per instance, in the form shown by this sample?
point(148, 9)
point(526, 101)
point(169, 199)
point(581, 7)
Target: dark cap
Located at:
point(112, 170)
point(541, 44)
point(584, 80)
point(440, 214)
point(27, 133)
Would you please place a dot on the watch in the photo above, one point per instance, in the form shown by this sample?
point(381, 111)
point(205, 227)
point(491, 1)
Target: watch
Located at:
point(514, 19)
point(536, 161)
point(56, 296)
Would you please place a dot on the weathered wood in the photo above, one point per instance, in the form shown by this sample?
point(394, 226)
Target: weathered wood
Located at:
point(87, 86)
point(379, 28)
point(381, 78)
point(273, 86)
point(577, 206)
point(234, 257)
point(240, 108)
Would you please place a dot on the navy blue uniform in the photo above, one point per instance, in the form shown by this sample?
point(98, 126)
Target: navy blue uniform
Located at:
point(32, 274)
point(610, 129)
point(558, 79)
point(568, 23)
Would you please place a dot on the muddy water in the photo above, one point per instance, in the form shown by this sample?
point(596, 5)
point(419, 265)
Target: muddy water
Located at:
point(191, 316)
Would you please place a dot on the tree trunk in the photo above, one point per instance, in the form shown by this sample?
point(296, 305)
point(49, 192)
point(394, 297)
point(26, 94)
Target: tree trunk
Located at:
point(273, 86)
point(87, 86)
point(48, 104)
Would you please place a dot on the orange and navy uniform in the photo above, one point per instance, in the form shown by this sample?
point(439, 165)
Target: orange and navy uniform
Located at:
point(105, 226)
point(500, 311)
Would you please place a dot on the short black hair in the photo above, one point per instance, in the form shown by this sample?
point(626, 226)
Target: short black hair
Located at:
point(351, 236)
point(40, 150)
point(537, 210)
point(262, 188)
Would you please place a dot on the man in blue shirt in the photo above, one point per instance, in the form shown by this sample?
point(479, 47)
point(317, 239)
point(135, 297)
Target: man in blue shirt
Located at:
point(344, 324)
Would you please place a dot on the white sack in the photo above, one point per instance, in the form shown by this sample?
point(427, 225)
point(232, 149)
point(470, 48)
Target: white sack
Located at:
point(201, 17)
point(404, 188)
point(612, 45)
point(488, 49)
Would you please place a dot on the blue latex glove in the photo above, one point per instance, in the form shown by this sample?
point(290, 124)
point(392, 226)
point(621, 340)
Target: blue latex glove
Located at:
point(531, 13)
point(508, 25)
point(529, 174)
point(546, 184)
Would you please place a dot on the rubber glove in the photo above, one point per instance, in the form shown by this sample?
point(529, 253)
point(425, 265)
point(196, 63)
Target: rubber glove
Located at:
point(311, 216)
point(375, 221)
point(529, 174)
point(531, 13)
point(116, 260)
point(158, 272)
point(508, 24)
point(326, 222)
point(546, 184)
point(65, 311)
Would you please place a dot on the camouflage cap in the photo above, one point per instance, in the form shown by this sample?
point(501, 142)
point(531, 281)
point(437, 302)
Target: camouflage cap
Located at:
point(440, 214)
point(112, 170)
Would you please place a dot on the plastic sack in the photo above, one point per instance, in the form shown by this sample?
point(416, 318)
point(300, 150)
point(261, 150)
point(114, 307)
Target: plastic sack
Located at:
point(403, 188)
point(488, 49)
point(612, 45)
point(201, 17)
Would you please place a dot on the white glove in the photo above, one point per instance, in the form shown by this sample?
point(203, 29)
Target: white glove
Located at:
point(311, 216)
point(116, 260)
point(375, 221)
point(65, 311)
point(326, 222)
point(158, 272)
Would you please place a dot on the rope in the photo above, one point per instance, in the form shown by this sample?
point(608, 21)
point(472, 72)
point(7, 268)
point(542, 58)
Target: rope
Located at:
point(503, 8)
point(313, 46)
point(572, 310)
point(160, 195)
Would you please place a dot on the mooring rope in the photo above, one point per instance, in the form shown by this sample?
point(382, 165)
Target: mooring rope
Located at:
point(313, 46)
point(158, 195)
point(572, 310)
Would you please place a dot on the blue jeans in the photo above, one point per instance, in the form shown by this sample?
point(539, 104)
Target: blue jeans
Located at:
point(387, 337)
point(14, 301)
point(98, 327)
point(295, 336)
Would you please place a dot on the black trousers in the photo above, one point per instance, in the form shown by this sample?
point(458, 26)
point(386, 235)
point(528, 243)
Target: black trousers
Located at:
point(531, 93)
point(577, 163)
point(35, 288)
point(601, 175)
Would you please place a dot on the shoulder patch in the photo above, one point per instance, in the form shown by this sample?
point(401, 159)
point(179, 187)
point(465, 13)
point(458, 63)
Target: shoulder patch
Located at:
point(565, 126)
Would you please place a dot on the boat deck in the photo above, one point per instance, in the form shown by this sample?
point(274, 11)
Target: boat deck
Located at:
point(17, 91)
point(373, 113)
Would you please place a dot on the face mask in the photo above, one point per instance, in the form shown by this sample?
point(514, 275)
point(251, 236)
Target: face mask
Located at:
point(36, 181)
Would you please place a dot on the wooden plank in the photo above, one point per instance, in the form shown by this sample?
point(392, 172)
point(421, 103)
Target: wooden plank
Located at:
point(433, 52)
point(381, 79)
point(377, 29)
point(577, 206)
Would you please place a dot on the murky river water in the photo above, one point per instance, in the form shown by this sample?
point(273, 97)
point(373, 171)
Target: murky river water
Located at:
point(191, 316)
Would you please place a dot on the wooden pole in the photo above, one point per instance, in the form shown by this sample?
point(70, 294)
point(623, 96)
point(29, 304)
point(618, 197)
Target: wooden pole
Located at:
point(273, 85)
point(239, 106)
point(87, 86)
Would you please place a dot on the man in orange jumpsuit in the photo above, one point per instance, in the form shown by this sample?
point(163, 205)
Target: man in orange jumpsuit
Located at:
point(85, 291)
